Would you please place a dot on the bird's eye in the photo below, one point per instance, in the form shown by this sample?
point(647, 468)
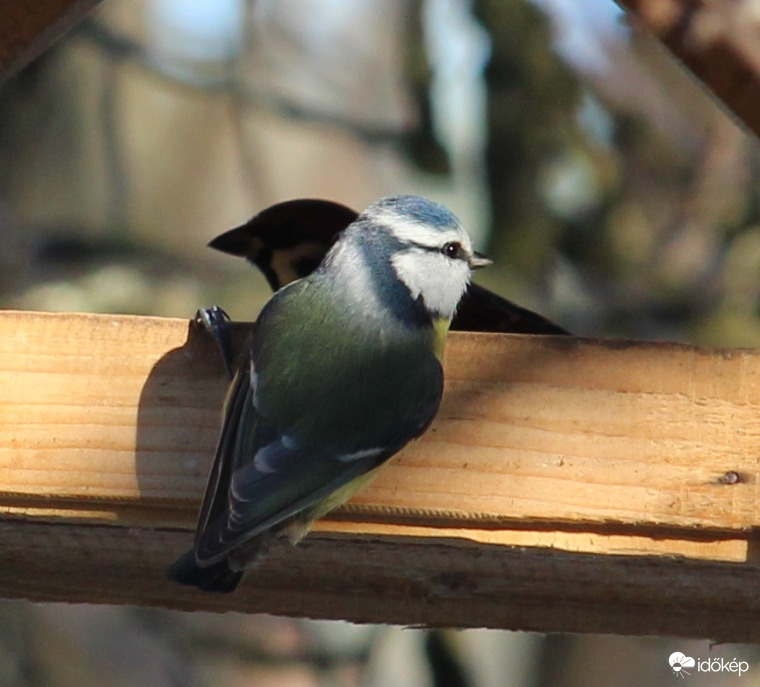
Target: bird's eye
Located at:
point(452, 249)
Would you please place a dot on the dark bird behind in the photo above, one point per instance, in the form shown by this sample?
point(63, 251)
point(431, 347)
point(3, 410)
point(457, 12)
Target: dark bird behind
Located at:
point(288, 240)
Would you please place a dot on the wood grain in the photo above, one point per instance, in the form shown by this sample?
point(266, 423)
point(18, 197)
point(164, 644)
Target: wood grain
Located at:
point(549, 454)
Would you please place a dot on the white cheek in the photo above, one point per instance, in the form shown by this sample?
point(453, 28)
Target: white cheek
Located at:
point(441, 282)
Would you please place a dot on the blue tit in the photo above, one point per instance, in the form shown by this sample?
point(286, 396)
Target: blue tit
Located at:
point(344, 369)
point(288, 240)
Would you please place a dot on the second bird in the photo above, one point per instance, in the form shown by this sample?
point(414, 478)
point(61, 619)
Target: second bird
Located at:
point(344, 369)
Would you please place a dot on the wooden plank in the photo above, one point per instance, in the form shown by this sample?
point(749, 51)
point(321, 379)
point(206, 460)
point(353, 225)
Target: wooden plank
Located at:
point(27, 29)
point(716, 41)
point(425, 581)
point(553, 461)
point(83, 395)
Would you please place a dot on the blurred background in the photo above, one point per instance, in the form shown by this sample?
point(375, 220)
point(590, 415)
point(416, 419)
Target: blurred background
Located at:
point(613, 193)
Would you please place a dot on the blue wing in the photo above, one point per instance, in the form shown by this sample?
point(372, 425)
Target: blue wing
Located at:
point(261, 479)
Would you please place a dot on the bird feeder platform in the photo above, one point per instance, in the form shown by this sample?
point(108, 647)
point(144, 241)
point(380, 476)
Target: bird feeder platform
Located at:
point(566, 484)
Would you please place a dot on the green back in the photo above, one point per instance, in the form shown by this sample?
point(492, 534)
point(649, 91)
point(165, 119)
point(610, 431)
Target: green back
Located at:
point(334, 397)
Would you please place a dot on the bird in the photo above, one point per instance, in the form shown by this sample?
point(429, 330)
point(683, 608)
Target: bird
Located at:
point(287, 241)
point(344, 368)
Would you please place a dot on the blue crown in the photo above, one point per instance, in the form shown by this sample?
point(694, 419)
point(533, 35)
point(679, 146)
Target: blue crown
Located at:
point(419, 210)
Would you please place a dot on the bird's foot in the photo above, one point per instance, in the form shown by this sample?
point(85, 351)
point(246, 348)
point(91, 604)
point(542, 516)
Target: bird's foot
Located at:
point(215, 321)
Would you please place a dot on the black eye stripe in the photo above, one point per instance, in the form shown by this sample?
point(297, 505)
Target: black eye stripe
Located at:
point(451, 249)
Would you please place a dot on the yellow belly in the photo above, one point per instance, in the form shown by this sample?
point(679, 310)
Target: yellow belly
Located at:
point(301, 524)
point(440, 329)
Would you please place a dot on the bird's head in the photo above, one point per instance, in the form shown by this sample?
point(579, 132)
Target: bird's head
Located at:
point(427, 247)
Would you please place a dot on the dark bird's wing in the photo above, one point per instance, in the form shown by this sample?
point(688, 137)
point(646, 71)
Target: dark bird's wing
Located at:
point(288, 240)
point(481, 310)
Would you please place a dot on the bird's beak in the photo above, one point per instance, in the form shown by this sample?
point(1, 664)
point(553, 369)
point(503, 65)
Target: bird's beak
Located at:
point(478, 260)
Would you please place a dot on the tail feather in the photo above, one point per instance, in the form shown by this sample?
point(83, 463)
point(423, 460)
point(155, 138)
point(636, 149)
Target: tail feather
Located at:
point(218, 577)
point(225, 575)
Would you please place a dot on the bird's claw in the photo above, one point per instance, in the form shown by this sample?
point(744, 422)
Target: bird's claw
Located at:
point(215, 321)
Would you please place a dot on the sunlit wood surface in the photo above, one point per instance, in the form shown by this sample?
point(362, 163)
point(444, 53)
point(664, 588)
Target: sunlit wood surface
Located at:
point(567, 484)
